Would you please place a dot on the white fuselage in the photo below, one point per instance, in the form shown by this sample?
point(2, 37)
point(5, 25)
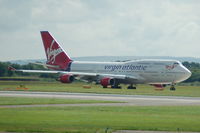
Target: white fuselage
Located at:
point(146, 71)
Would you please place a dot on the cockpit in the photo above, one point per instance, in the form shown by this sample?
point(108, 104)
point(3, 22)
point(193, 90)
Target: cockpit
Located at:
point(177, 63)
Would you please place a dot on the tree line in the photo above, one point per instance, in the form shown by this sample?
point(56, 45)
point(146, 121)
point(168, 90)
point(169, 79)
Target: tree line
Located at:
point(195, 69)
point(4, 72)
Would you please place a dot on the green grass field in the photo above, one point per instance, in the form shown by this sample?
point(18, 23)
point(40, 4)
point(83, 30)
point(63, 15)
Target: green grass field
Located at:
point(99, 119)
point(193, 91)
point(34, 101)
point(94, 119)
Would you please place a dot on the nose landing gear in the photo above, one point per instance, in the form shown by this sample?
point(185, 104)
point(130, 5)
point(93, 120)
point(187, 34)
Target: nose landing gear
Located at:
point(172, 88)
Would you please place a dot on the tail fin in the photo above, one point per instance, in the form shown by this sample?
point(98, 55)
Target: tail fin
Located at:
point(56, 56)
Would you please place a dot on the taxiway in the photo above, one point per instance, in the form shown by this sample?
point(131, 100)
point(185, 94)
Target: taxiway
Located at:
point(128, 100)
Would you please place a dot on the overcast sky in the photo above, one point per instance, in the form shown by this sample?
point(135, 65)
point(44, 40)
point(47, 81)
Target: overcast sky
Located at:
point(100, 27)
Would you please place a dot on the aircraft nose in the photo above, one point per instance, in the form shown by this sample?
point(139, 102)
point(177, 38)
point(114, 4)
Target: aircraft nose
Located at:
point(187, 73)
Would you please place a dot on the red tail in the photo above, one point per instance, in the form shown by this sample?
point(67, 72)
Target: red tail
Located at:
point(56, 56)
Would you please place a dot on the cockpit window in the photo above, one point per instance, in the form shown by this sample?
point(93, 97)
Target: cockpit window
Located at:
point(176, 63)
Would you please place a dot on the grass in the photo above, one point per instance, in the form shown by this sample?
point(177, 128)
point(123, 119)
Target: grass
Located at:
point(193, 91)
point(99, 119)
point(94, 119)
point(34, 101)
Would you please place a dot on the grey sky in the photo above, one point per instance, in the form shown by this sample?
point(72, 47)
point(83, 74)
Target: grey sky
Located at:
point(100, 27)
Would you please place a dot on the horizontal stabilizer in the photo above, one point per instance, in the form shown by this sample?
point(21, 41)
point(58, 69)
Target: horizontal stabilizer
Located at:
point(10, 68)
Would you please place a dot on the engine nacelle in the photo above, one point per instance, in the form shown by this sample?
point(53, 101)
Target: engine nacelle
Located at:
point(107, 81)
point(66, 78)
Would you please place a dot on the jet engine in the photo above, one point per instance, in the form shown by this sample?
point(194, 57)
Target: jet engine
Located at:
point(66, 78)
point(107, 81)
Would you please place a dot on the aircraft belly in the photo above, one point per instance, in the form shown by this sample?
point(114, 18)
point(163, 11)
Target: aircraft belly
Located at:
point(159, 78)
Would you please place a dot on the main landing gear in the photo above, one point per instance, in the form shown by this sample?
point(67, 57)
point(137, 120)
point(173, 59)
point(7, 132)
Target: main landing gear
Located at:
point(172, 88)
point(131, 87)
point(113, 87)
point(116, 86)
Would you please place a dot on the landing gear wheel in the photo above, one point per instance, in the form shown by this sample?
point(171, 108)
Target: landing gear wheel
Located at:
point(172, 88)
point(116, 87)
point(131, 87)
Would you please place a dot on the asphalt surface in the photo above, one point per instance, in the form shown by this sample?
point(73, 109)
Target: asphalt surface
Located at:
point(129, 100)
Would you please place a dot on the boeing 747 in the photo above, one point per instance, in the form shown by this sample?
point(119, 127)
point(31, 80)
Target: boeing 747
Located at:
point(154, 72)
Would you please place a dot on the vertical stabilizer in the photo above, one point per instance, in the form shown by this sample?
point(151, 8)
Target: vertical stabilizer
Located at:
point(56, 56)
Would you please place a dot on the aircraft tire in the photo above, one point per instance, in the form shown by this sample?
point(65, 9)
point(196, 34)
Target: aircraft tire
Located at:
point(172, 89)
point(116, 87)
point(131, 87)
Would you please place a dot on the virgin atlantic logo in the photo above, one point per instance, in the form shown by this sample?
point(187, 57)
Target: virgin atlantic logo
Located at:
point(52, 53)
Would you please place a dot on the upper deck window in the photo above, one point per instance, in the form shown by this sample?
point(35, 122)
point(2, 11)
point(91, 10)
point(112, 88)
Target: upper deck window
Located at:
point(144, 63)
point(158, 63)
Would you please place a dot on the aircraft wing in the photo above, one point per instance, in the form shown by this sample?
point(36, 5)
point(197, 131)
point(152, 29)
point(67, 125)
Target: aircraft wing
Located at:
point(33, 71)
point(49, 71)
point(79, 74)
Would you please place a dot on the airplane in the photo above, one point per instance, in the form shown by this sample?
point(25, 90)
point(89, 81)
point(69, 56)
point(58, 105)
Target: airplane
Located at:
point(158, 73)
